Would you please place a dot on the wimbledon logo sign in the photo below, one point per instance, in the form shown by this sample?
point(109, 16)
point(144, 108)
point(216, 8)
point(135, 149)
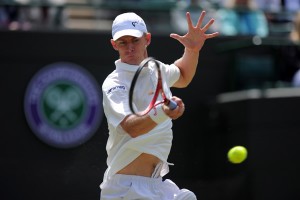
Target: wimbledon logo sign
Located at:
point(63, 105)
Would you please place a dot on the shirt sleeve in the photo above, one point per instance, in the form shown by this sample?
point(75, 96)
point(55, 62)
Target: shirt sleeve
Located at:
point(172, 73)
point(115, 103)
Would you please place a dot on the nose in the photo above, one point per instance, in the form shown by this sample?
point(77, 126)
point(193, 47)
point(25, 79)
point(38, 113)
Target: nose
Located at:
point(130, 47)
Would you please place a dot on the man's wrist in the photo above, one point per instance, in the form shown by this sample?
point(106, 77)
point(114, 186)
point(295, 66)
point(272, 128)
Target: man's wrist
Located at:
point(193, 51)
point(158, 115)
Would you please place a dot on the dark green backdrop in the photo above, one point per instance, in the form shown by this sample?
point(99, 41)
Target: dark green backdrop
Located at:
point(30, 169)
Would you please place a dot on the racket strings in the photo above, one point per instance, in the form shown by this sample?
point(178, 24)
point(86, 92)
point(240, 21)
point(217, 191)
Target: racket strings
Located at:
point(159, 77)
point(153, 102)
point(153, 68)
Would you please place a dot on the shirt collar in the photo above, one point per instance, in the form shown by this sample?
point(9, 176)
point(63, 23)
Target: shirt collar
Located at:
point(124, 66)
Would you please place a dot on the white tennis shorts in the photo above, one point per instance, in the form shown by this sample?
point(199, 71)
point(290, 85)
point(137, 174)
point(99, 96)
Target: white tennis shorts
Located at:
point(129, 187)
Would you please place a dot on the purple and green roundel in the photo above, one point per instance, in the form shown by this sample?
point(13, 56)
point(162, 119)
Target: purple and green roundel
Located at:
point(63, 105)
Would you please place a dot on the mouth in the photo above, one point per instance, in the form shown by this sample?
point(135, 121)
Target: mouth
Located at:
point(130, 54)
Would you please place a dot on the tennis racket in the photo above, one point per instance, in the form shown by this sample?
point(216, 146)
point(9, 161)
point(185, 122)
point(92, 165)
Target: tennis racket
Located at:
point(150, 80)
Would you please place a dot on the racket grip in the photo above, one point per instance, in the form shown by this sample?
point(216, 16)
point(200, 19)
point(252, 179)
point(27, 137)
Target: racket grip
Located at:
point(172, 104)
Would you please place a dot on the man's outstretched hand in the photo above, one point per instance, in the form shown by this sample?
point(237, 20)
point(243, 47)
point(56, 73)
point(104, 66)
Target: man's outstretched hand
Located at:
point(194, 39)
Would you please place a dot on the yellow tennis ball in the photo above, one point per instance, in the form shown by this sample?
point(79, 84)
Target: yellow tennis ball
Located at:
point(237, 154)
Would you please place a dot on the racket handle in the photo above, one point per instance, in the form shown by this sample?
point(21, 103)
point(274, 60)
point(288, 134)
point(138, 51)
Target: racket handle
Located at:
point(172, 104)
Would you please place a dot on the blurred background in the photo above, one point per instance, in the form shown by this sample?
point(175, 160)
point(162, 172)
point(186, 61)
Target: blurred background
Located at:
point(55, 54)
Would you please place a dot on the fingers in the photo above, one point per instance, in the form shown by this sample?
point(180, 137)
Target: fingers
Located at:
point(189, 20)
point(211, 35)
point(175, 36)
point(200, 20)
point(206, 27)
point(178, 38)
point(176, 113)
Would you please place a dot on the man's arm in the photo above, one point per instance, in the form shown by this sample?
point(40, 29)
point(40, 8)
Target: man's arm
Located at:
point(193, 42)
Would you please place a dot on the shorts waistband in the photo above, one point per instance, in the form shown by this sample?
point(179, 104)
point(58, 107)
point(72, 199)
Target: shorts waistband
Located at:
point(123, 178)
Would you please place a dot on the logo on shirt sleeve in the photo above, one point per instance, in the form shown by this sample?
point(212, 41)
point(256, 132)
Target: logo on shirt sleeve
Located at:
point(116, 88)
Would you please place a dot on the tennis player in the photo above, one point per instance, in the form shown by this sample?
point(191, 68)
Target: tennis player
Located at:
point(138, 147)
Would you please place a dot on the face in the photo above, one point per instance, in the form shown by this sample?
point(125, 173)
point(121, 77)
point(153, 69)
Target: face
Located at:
point(132, 50)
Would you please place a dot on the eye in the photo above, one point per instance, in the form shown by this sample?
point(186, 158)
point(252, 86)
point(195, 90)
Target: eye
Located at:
point(121, 43)
point(136, 40)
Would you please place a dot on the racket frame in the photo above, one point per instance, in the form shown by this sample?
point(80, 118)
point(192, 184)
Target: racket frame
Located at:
point(159, 89)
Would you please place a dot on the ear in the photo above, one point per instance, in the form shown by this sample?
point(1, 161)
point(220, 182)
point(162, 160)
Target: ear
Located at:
point(148, 38)
point(113, 44)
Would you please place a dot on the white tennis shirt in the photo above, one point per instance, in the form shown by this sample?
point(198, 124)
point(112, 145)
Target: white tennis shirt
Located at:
point(121, 147)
